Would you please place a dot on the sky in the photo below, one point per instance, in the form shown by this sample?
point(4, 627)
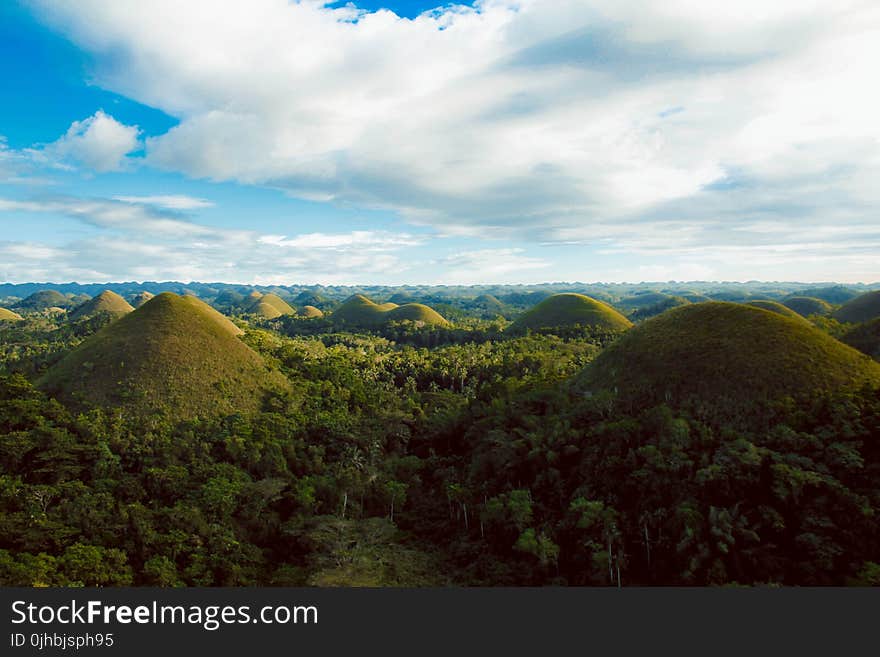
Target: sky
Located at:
point(382, 142)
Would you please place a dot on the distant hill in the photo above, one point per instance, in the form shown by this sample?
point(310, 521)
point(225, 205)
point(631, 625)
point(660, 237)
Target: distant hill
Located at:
point(778, 308)
point(863, 308)
point(568, 310)
point(43, 300)
point(359, 311)
point(644, 312)
point(141, 298)
point(9, 316)
point(270, 306)
point(806, 306)
point(724, 360)
point(310, 312)
point(643, 300)
point(401, 297)
point(175, 356)
point(865, 337)
point(106, 302)
point(834, 294)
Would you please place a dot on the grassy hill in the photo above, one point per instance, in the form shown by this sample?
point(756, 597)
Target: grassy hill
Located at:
point(359, 311)
point(106, 302)
point(568, 309)
point(310, 312)
point(643, 300)
point(175, 356)
point(865, 337)
point(8, 316)
point(724, 360)
point(806, 306)
point(43, 300)
point(861, 309)
point(141, 298)
point(270, 306)
point(416, 312)
point(778, 308)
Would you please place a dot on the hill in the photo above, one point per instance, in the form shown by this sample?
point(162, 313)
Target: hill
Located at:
point(778, 308)
point(806, 306)
point(9, 316)
point(43, 300)
point(174, 356)
point(270, 306)
point(106, 302)
point(865, 337)
point(724, 360)
point(141, 298)
point(416, 312)
point(569, 309)
point(832, 294)
point(359, 311)
point(642, 300)
point(861, 309)
point(644, 312)
point(310, 312)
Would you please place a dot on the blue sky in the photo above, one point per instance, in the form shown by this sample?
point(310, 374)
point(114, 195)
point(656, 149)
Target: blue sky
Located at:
point(508, 141)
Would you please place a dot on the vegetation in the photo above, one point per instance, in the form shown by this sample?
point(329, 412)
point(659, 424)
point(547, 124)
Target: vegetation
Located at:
point(270, 306)
point(141, 298)
point(566, 310)
point(861, 309)
point(173, 355)
point(865, 337)
point(8, 316)
point(714, 444)
point(106, 302)
point(806, 306)
point(778, 308)
point(727, 361)
point(361, 312)
point(43, 300)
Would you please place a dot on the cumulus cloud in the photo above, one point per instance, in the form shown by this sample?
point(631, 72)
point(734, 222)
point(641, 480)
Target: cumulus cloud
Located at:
point(595, 121)
point(487, 266)
point(99, 143)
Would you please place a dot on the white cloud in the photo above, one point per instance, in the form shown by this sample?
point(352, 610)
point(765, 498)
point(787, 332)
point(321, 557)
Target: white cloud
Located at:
point(170, 202)
point(602, 121)
point(362, 239)
point(487, 266)
point(100, 143)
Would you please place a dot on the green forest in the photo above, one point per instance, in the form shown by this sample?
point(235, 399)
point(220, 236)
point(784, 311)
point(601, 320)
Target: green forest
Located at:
point(160, 435)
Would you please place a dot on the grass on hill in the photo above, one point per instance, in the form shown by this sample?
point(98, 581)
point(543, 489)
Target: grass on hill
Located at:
point(861, 309)
point(865, 337)
point(310, 312)
point(806, 306)
point(724, 360)
point(7, 315)
point(43, 300)
point(359, 311)
point(569, 309)
point(141, 298)
point(778, 308)
point(106, 302)
point(270, 306)
point(174, 356)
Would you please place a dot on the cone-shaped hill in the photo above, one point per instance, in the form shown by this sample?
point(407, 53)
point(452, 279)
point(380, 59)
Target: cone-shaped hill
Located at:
point(806, 306)
point(8, 316)
point(106, 302)
point(865, 337)
point(43, 300)
point(310, 312)
point(778, 308)
point(270, 306)
point(141, 298)
point(175, 355)
point(359, 311)
point(569, 309)
point(724, 361)
point(861, 309)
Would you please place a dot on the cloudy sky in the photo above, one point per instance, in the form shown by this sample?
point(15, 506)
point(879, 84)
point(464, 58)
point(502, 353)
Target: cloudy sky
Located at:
point(285, 141)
